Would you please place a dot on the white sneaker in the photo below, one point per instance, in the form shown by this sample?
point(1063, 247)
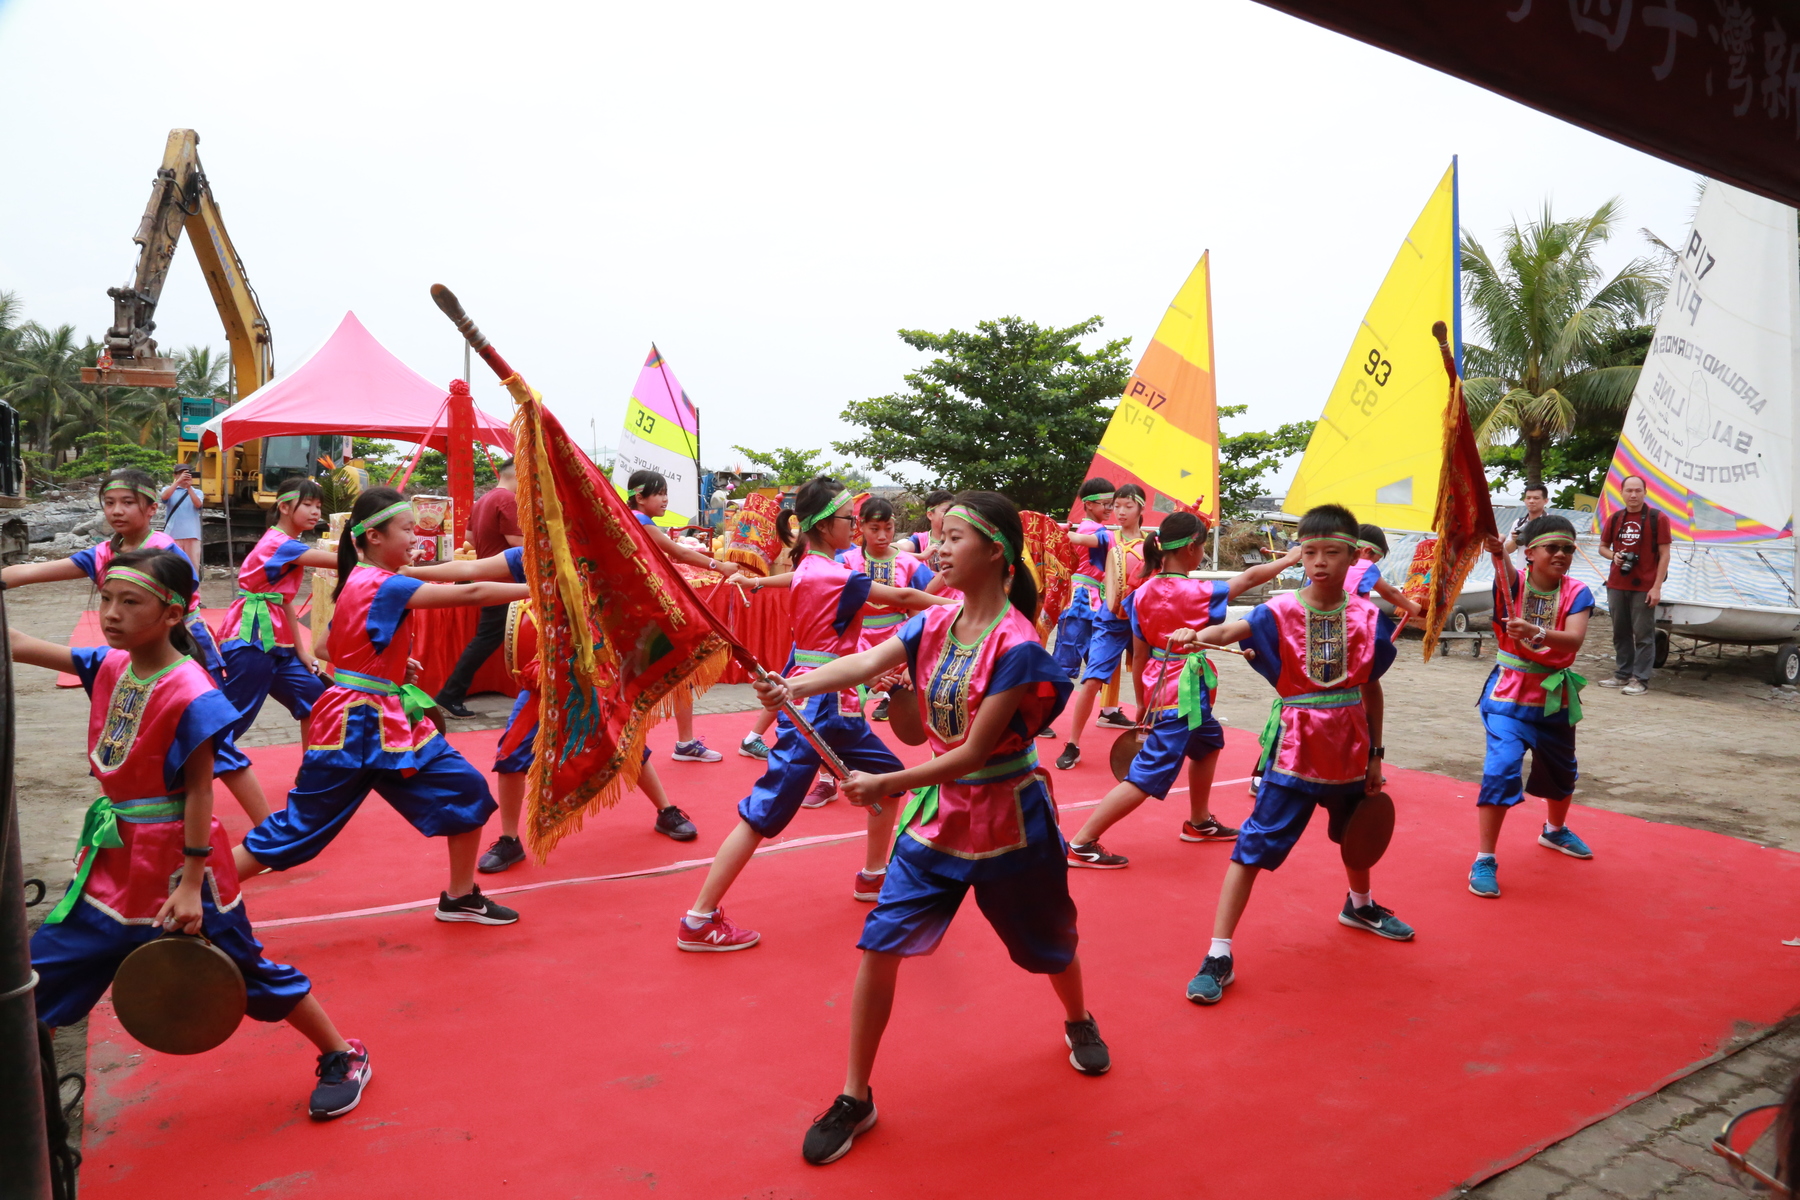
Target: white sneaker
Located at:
point(1636, 687)
point(1614, 682)
point(695, 751)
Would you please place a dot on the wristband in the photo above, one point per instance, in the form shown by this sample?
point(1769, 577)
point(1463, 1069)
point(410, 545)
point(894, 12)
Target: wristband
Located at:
point(196, 851)
point(1377, 751)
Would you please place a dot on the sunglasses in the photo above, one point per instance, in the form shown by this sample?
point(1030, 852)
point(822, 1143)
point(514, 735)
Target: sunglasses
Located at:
point(1557, 547)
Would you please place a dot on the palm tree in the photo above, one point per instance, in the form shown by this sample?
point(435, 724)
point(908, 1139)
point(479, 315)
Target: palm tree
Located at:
point(45, 384)
point(1551, 325)
point(153, 415)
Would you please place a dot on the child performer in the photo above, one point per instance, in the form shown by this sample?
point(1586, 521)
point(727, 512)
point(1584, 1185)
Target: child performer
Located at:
point(927, 545)
point(877, 559)
point(1178, 688)
point(827, 606)
point(517, 748)
point(982, 817)
point(1318, 647)
point(263, 654)
point(1365, 573)
point(153, 859)
point(128, 497)
point(363, 737)
point(1110, 635)
point(647, 494)
point(1532, 697)
point(1076, 624)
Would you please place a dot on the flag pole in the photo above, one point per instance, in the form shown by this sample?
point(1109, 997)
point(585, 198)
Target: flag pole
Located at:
point(446, 300)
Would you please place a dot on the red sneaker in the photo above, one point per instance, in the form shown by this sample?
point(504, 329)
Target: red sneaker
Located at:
point(823, 793)
point(1210, 830)
point(718, 934)
point(867, 886)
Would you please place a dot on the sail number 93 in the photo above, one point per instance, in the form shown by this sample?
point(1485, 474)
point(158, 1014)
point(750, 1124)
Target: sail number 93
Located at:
point(1378, 370)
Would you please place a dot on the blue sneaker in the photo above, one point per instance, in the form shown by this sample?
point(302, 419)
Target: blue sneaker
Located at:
point(1482, 881)
point(1209, 985)
point(1564, 839)
point(1377, 920)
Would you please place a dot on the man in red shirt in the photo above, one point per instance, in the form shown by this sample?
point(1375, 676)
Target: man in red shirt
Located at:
point(493, 526)
point(1636, 539)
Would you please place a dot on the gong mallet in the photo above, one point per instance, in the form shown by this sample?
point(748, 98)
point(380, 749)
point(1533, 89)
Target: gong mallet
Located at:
point(451, 307)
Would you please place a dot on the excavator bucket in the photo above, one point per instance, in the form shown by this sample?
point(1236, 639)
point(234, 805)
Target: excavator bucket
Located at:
point(140, 372)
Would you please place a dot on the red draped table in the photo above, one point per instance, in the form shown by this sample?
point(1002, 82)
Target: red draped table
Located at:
point(438, 638)
point(763, 626)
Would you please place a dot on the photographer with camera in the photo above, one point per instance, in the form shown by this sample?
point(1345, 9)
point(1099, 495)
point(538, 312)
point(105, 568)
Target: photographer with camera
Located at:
point(1636, 539)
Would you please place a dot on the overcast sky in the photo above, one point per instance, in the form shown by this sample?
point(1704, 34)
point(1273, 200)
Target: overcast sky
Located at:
point(766, 191)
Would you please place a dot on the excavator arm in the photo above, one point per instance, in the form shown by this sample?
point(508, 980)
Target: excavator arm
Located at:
point(181, 198)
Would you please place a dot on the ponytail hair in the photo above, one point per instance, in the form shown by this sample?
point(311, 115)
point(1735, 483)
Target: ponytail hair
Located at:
point(367, 505)
point(139, 484)
point(809, 501)
point(1003, 515)
point(644, 483)
point(173, 570)
point(1175, 528)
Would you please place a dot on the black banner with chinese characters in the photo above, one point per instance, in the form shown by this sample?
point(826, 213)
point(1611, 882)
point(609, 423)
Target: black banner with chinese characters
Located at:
point(1710, 84)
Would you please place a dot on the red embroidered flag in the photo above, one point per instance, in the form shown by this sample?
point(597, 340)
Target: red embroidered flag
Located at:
point(1465, 510)
point(1053, 560)
point(619, 632)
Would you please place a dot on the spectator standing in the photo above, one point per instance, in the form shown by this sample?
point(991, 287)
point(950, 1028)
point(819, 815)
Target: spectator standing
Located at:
point(181, 513)
point(1537, 499)
point(1636, 539)
point(494, 527)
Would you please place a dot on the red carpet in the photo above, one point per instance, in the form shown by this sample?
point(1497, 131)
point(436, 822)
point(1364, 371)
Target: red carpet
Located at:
point(578, 1053)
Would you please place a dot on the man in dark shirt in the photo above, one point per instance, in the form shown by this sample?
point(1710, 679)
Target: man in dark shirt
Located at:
point(493, 526)
point(1636, 539)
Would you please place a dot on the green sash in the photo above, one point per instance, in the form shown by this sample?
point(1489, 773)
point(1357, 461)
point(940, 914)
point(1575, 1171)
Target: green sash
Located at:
point(924, 803)
point(100, 830)
point(1555, 684)
point(413, 699)
point(1271, 734)
point(256, 606)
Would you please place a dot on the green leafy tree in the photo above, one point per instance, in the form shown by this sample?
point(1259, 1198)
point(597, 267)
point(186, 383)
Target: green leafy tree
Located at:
point(1550, 321)
point(790, 468)
point(1011, 407)
point(103, 451)
point(46, 384)
point(1245, 458)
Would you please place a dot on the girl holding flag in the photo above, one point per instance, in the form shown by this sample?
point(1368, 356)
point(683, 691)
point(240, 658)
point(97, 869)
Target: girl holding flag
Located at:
point(1110, 635)
point(1532, 698)
point(153, 858)
point(981, 817)
point(128, 497)
point(883, 564)
point(827, 606)
point(366, 731)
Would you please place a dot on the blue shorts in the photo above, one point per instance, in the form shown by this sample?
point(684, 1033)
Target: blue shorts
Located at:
point(443, 797)
point(525, 753)
point(253, 674)
point(1552, 746)
point(794, 764)
point(77, 959)
point(1031, 910)
point(1280, 817)
point(1106, 649)
point(1158, 764)
point(1073, 630)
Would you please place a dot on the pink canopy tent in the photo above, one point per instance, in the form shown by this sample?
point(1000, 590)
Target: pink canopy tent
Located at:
point(350, 384)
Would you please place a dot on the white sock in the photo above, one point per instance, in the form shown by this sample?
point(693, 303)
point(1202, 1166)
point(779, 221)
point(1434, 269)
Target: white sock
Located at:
point(750, 737)
point(1549, 828)
point(1485, 855)
point(695, 920)
point(881, 870)
point(1362, 899)
point(1220, 948)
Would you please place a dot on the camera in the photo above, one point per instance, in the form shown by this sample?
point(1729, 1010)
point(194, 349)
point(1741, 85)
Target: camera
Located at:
point(1627, 560)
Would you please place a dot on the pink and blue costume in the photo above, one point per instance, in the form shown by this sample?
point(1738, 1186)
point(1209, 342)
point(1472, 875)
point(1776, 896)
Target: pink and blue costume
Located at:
point(898, 570)
point(1111, 635)
point(1362, 577)
point(363, 735)
point(1316, 743)
point(259, 640)
point(1180, 685)
point(93, 562)
point(995, 829)
point(826, 600)
point(1531, 701)
point(141, 733)
point(1075, 627)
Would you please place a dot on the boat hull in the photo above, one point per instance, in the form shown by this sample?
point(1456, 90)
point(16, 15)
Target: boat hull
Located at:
point(1739, 625)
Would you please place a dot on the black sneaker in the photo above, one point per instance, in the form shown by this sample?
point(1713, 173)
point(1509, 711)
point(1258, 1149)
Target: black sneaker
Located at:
point(458, 710)
point(1377, 920)
point(1069, 757)
point(1209, 985)
point(1114, 718)
point(1087, 1053)
point(834, 1129)
point(1048, 732)
point(1095, 855)
point(880, 713)
point(674, 823)
point(343, 1074)
point(474, 907)
point(505, 852)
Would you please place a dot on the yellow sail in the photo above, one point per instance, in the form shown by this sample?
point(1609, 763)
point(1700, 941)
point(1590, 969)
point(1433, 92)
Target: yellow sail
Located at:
point(1164, 435)
point(1378, 448)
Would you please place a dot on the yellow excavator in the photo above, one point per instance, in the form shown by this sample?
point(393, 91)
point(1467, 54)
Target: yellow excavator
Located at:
point(181, 198)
